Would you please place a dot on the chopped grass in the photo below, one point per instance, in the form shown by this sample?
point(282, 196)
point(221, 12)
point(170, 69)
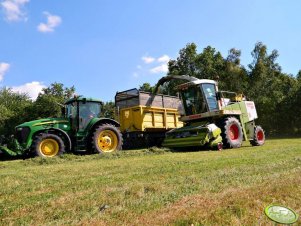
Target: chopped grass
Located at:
point(153, 187)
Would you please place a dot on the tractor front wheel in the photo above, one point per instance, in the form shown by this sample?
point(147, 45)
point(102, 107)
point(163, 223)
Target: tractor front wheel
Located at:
point(259, 136)
point(232, 133)
point(107, 138)
point(48, 145)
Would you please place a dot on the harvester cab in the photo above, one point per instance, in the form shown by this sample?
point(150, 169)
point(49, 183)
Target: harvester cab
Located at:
point(212, 118)
point(199, 96)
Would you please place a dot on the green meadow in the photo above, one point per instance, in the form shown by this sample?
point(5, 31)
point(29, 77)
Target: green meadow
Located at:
point(153, 187)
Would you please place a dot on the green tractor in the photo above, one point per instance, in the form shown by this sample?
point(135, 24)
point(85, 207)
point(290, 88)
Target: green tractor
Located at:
point(213, 118)
point(81, 129)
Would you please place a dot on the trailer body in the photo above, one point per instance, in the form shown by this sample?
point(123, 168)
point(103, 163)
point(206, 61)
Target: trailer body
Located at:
point(145, 118)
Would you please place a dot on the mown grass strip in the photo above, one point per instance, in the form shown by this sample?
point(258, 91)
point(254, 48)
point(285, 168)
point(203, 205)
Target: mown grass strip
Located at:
point(139, 187)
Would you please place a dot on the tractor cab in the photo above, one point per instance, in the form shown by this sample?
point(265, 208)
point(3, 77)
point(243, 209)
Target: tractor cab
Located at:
point(80, 111)
point(199, 96)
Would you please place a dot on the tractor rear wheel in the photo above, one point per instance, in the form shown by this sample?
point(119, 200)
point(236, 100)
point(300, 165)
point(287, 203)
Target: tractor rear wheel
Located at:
point(232, 133)
point(107, 138)
point(259, 136)
point(48, 145)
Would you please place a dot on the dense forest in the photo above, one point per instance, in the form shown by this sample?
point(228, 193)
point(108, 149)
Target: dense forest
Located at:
point(277, 95)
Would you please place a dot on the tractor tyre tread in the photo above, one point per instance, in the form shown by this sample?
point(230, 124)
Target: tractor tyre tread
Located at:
point(256, 140)
point(225, 127)
point(42, 136)
point(101, 128)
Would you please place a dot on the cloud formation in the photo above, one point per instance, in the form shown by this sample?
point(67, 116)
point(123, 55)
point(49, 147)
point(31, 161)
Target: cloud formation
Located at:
point(159, 69)
point(148, 60)
point(152, 65)
point(52, 22)
point(164, 59)
point(4, 67)
point(14, 10)
point(32, 89)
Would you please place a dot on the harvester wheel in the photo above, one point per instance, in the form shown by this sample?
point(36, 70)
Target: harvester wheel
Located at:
point(48, 145)
point(259, 136)
point(107, 138)
point(232, 133)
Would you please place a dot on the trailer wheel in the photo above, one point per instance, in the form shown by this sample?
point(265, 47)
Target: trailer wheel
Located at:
point(232, 133)
point(107, 138)
point(259, 136)
point(48, 145)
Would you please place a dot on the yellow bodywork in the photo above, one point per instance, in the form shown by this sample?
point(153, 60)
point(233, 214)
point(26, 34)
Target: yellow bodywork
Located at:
point(145, 118)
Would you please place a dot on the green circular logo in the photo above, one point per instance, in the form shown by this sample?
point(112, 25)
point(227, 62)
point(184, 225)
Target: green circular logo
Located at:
point(281, 214)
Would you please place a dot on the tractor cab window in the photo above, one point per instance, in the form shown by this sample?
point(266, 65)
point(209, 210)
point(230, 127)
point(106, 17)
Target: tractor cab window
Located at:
point(88, 111)
point(193, 100)
point(71, 113)
point(71, 110)
point(210, 94)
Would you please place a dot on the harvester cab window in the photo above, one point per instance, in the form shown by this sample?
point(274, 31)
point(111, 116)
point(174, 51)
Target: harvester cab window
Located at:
point(193, 100)
point(210, 94)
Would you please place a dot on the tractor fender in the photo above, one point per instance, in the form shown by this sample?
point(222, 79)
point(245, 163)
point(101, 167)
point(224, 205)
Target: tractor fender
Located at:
point(56, 131)
point(100, 121)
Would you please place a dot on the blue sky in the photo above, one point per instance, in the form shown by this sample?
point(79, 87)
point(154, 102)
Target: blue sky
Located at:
point(102, 47)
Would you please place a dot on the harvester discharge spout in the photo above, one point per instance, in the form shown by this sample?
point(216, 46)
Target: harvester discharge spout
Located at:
point(173, 77)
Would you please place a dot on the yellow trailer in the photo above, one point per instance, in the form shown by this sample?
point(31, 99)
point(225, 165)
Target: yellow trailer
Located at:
point(144, 118)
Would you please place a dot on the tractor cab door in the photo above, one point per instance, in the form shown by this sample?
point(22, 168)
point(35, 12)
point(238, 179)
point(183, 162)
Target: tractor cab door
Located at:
point(87, 111)
point(71, 114)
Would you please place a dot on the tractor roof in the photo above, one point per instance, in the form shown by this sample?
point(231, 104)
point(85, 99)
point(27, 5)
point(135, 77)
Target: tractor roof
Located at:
point(82, 99)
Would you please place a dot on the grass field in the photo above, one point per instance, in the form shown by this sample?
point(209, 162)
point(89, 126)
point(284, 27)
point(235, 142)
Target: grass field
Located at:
point(153, 187)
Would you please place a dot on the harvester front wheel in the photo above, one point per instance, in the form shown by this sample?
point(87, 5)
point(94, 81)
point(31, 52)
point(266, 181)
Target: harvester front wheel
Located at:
point(232, 133)
point(107, 138)
point(259, 136)
point(48, 145)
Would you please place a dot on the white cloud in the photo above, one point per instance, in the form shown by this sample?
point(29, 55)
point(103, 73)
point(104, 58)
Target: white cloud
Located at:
point(14, 10)
point(160, 69)
point(32, 89)
point(4, 67)
point(156, 65)
point(164, 59)
point(135, 75)
point(148, 60)
point(52, 22)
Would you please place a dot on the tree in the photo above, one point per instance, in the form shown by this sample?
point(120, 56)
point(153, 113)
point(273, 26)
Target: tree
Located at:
point(271, 90)
point(48, 102)
point(108, 110)
point(146, 87)
point(13, 107)
point(234, 77)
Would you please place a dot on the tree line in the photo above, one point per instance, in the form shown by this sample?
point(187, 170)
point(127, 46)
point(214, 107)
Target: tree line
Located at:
point(277, 95)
